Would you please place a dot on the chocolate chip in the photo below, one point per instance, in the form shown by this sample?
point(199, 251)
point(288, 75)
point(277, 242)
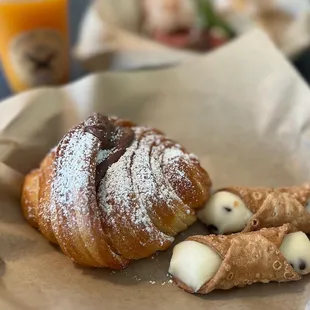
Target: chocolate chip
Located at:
point(302, 264)
point(255, 222)
point(212, 228)
point(292, 265)
point(228, 209)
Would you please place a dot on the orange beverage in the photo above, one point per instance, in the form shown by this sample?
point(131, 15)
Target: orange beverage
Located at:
point(34, 42)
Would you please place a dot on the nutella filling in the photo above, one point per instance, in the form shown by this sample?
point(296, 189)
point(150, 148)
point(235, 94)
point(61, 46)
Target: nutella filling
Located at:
point(114, 138)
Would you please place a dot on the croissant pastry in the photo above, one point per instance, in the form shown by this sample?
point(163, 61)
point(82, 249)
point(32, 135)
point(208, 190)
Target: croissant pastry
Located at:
point(112, 192)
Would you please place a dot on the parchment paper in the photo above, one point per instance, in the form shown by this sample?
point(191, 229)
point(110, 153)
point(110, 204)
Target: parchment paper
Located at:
point(243, 110)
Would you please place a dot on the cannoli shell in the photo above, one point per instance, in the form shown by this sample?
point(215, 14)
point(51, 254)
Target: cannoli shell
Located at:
point(275, 207)
point(247, 258)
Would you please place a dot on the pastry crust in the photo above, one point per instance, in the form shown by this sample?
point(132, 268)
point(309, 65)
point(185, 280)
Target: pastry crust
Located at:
point(145, 198)
point(273, 207)
point(30, 197)
point(247, 258)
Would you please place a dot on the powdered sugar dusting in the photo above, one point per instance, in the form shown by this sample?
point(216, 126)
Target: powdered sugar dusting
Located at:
point(134, 198)
point(171, 161)
point(116, 187)
point(30, 209)
point(71, 178)
point(73, 197)
point(150, 183)
point(145, 186)
point(173, 154)
point(121, 202)
point(159, 154)
point(75, 176)
point(103, 155)
point(139, 173)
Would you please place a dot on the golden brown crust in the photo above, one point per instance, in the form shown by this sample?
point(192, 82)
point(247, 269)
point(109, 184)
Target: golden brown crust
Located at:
point(273, 207)
point(30, 197)
point(144, 200)
point(247, 258)
point(43, 214)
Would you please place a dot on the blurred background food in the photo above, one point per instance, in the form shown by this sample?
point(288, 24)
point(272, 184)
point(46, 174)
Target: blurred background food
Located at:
point(191, 26)
point(206, 24)
point(184, 24)
point(144, 34)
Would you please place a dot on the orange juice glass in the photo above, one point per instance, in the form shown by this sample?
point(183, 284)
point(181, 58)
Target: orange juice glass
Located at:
point(34, 42)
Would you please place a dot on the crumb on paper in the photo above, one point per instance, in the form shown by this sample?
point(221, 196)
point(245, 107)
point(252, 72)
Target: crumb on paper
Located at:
point(170, 281)
point(152, 282)
point(136, 278)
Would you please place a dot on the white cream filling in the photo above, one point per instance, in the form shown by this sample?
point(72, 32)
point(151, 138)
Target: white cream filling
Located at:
point(225, 213)
point(194, 264)
point(296, 249)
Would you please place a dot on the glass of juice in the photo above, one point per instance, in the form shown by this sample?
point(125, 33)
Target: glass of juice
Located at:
point(34, 42)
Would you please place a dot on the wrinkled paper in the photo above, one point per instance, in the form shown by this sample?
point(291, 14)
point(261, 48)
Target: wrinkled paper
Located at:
point(242, 109)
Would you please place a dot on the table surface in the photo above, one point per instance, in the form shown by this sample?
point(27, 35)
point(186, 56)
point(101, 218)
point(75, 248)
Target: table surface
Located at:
point(76, 10)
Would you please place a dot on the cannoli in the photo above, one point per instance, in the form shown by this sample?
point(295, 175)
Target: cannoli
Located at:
point(235, 209)
point(202, 264)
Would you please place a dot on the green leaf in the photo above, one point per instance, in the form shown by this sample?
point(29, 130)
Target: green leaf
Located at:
point(209, 18)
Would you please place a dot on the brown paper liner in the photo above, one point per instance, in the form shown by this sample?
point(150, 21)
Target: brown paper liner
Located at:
point(247, 258)
point(275, 207)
